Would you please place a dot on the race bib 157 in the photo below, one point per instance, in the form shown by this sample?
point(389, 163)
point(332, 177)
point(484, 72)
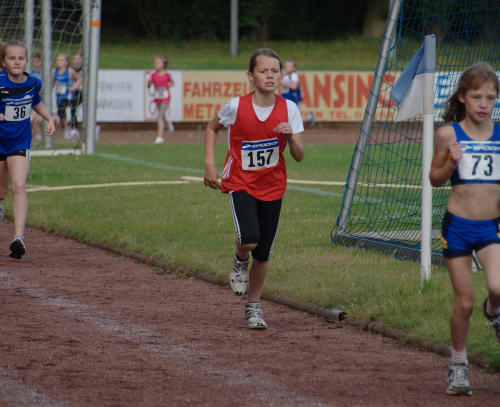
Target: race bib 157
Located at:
point(256, 155)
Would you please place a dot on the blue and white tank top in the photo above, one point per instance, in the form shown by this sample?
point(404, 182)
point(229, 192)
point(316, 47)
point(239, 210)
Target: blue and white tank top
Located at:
point(480, 161)
point(62, 84)
point(16, 100)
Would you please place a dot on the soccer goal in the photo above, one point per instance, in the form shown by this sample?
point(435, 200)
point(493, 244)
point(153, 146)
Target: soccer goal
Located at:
point(51, 27)
point(382, 203)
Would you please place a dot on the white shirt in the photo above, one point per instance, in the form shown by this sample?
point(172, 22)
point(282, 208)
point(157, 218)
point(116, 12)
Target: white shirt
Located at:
point(227, 115)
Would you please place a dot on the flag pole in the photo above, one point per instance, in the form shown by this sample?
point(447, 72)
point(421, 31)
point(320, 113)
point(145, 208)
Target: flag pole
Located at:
point(427, 141)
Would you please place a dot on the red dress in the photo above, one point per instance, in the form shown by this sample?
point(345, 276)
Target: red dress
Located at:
point(255, 161)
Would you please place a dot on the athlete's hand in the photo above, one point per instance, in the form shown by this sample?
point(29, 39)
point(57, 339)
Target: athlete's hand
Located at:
point(455, 153)
point(210, 177)
point(51, 128)
point(285, 129)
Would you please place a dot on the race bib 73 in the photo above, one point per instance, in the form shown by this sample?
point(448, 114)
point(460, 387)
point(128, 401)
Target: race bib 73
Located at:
point(480, 161)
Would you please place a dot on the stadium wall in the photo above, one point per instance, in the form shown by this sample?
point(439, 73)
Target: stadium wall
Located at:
point(123, 95)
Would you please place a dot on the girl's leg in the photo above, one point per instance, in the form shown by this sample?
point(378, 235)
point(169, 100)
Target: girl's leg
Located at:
point(258, 274)
point(489, 258)
point(269, 216)
point(4, 180)
point(161, 127)
point(18, 167)
point(459, 269)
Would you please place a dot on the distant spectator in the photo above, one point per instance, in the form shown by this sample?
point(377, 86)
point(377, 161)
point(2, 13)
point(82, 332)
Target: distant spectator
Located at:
point(162, 82)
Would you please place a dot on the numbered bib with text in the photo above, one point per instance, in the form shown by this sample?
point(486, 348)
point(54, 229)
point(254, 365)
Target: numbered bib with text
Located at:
point(161, 93)
point(260, 154)
point(480, 161)
point(61, 89)
point(17, 113)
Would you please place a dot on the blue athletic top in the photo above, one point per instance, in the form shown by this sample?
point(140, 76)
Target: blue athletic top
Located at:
point(37, 73)
point(16, 100)
point(480, 161)
point(62, 84)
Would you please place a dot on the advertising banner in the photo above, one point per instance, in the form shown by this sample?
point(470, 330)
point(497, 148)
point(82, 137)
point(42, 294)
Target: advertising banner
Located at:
point(197, 96)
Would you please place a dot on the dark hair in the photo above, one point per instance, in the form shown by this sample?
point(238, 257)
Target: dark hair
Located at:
point(13, 43)
point(37, 55)
point(163, 58)
point(262, 51)
point(472, 78)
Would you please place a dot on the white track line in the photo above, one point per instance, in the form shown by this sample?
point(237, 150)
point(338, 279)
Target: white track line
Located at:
point(112, 184)
point(14, 392)
point(196, 362)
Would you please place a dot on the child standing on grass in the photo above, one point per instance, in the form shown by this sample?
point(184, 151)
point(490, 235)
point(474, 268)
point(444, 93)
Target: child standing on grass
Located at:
point(290, 87)
point(76, 101)
point(162, 82)
point(66, 81)
point(260, 126)
point(467, 151)
point(20, 92)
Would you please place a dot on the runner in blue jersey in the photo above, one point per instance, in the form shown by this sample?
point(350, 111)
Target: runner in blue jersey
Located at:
point(467, 151)
point(19, 93)
point(65, 81)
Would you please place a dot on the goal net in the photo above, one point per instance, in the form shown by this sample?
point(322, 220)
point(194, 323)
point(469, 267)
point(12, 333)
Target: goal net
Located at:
point(382, 202)
point(23, 20)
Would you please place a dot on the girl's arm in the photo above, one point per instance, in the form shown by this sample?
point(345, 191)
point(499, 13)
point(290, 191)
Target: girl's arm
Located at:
point(78, 80)
point(293, 140)
point(290, 85)
point(210, 178)
point(42, 111)
point(447, 154)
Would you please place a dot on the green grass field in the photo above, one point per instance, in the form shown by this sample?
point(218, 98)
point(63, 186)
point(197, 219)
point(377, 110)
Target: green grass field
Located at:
point(350, 53)
point(190, 225)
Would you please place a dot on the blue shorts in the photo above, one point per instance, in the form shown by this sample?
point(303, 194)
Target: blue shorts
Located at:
point(461, 236)
point(22, 153)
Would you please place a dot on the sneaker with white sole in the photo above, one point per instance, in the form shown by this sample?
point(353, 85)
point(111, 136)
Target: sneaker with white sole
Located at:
point(17, 248)
point(171, 127)
point(67, 133)
point(238, 279)
point(75, 134)
point(253, 314)
point(458, 380)
point(494, 319)
point(159, 140)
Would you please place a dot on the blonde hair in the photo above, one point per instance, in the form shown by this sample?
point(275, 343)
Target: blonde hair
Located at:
point(472, 78)
point(163, 58)
point(7, 45)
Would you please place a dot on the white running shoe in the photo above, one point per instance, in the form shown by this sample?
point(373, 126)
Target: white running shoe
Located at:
point(74, 134)
point(171, 126)
point(238, 279)
point(458, 380)
point(253, 314)
point(67, 133)
point(159, 140)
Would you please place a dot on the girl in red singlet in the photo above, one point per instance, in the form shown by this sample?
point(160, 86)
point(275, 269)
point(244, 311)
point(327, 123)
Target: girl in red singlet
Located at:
point(260, 126)
point(162, 82)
